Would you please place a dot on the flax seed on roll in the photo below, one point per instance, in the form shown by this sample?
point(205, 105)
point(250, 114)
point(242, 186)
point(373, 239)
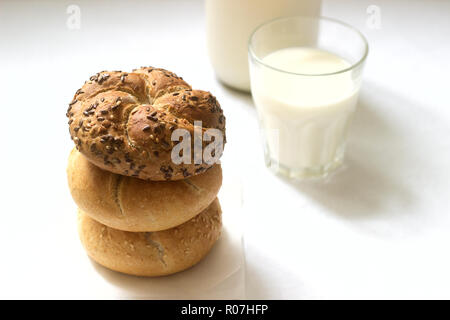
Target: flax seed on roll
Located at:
point(131, 204)
point(123, 122)
point(151, 253)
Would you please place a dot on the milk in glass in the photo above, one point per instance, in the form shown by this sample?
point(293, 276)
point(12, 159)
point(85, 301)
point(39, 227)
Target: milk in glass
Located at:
point(305, 100)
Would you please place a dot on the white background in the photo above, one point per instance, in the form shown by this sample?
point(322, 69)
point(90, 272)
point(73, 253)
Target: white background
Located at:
point(378, 229)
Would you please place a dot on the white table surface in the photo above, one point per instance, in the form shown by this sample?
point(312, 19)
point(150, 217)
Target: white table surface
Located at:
point(378, 229)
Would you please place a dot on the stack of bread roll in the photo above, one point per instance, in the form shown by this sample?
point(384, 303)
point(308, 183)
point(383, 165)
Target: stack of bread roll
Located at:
point(139, 212)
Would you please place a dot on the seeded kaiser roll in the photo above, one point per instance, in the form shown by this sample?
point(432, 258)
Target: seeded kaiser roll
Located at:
point(151, 253)
point(131, 204)
point(122, 122)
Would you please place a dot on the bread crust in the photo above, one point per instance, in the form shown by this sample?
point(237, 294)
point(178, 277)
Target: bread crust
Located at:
point(151, 253)
point(123, 122)
point(131, 204)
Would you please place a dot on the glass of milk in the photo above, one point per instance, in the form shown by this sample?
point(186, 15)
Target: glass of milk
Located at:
point(305, 89)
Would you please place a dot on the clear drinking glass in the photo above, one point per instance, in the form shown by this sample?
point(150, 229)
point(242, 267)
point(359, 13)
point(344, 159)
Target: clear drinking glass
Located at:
point(305, 77)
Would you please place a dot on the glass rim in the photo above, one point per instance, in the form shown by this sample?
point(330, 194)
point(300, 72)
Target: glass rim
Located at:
point(319, 18)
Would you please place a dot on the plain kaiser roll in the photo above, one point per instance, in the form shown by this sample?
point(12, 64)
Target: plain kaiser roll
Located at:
point(123, 123)
point(136, 205)
point(151, 253)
